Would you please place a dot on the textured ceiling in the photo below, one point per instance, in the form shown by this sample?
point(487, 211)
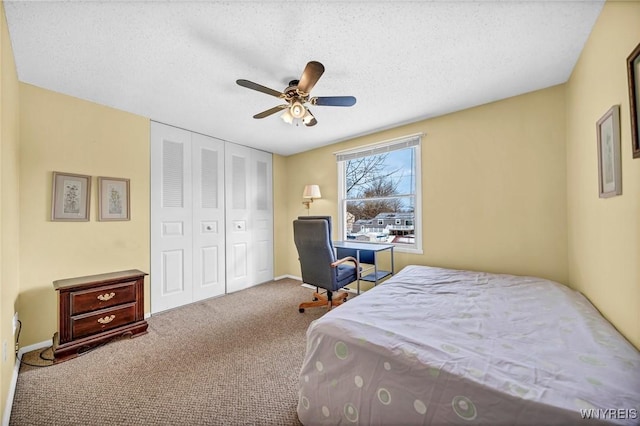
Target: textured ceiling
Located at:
point(177, 62)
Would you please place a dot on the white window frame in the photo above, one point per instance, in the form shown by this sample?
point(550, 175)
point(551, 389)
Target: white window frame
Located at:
point(378, 148)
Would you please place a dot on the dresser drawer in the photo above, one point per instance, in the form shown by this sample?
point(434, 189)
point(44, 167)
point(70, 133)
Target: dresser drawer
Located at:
point(106, 319)
point(102, 297)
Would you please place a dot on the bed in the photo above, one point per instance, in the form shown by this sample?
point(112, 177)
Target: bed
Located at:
point(435, 346)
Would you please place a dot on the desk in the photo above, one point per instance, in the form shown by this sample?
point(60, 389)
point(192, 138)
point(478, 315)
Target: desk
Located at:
point(366, 253)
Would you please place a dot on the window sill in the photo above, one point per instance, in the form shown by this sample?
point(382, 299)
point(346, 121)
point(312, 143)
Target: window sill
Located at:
point(411, 250)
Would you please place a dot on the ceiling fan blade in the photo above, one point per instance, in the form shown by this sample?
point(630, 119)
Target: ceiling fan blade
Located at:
point(310, 76)
point(345, 101)
point(260, 88)
point(270, 111)
point(310, 120)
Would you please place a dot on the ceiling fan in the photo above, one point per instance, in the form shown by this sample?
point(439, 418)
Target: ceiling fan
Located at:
point(297, 94)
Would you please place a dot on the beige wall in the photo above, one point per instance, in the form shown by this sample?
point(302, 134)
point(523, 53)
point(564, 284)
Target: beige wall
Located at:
point(66, 134)
point(493, 185)
point(604, 234)
point(9, 206)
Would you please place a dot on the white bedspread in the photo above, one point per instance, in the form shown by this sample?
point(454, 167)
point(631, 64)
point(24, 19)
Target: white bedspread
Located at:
point(433, 346)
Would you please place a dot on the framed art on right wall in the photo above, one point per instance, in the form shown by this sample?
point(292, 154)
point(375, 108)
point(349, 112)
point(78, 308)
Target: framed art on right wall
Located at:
point(633, 71)
point(609, 173)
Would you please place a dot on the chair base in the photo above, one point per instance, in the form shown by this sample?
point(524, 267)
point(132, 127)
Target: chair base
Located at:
point(322, 300)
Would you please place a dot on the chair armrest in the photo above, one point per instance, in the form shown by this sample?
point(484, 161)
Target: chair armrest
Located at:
point(345, 259)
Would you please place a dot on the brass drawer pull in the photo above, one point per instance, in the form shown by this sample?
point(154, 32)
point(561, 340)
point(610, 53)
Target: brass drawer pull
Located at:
point(106, 320)
point(106, 296)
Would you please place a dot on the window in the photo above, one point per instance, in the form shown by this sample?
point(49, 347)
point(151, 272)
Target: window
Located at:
point(379, 193)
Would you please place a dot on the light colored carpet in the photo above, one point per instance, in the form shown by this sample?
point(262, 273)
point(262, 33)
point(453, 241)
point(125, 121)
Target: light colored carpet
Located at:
point(232, 360)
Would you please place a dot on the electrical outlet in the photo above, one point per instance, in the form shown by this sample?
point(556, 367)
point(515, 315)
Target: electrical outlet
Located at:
point(4, 351)
point(15, 323)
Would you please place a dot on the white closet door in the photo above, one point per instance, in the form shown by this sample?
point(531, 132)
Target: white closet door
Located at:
point(208, 217)
point(211, 217)
point(171, 218)
point(262, 215)
point(239, 177)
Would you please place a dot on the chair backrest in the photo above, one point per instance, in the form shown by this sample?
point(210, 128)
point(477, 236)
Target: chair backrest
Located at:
point(315, 251)
point(327, 218)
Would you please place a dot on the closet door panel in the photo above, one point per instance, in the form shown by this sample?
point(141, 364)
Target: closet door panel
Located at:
point(262, 215)
point(239, 228)
point(171, 219)
point(208, 217)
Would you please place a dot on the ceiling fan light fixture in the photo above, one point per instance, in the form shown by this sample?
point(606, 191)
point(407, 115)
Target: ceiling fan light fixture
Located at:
point(307, 117)
point(297, 110)
point(297, 95)
point(287, 117)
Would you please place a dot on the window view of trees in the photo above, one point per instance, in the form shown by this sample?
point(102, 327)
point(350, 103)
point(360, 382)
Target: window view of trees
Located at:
point(380, 197)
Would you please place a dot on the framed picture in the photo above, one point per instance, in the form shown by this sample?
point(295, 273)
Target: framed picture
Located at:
point(609, 164)
point(70, 197)
point(113, 199)
point(633, 71)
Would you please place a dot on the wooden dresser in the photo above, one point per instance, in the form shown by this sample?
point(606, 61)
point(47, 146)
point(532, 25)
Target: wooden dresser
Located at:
point(94, 309)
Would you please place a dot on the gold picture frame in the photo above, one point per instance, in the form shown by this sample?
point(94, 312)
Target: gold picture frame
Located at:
point(113, 199)
point(609, 162)
point(70, 197)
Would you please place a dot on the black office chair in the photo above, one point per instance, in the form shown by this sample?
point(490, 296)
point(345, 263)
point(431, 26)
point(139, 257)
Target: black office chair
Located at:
point(319, 265)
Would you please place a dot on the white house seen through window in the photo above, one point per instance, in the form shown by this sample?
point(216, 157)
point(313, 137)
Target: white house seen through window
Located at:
point(379, 190)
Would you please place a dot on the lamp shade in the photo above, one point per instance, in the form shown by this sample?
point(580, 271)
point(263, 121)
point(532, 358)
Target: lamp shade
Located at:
point(297, 110)
point(287, 117)
point(311, 191)
point(308, 118)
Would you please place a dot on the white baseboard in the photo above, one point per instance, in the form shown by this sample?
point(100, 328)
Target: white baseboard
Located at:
point(313, 287)
point(12, 390)
point(347, 289)
point(293, 277)
point(35, 346)
point(14, 378)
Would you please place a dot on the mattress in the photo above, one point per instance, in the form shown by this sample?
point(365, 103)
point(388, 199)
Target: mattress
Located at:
point(435, 346)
